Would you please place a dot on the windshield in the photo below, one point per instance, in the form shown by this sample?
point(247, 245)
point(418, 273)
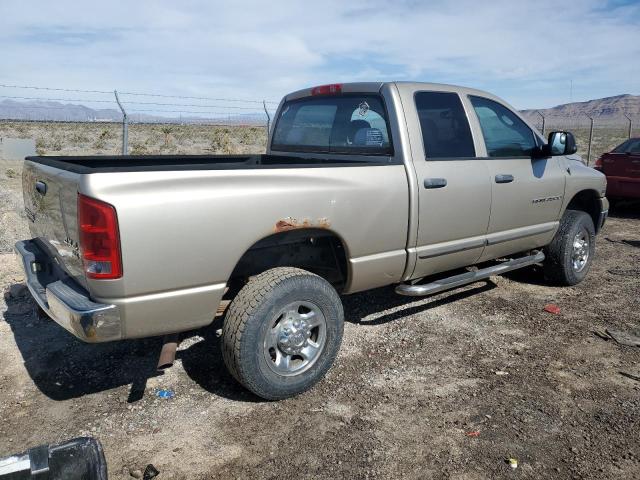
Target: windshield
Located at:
point(630, 146)
point(335, 124)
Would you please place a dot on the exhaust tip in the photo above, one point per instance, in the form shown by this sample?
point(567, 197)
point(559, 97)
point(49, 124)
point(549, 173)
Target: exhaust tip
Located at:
point(168, 352)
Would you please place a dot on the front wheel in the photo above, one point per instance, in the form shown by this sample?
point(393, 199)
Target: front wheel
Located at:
point(570, 253)
point(282, 332)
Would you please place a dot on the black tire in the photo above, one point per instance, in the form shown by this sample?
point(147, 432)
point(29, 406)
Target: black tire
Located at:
point(249, 322)
point(559, 267)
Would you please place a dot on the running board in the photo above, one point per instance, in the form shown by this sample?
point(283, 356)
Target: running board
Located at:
point(468, 277)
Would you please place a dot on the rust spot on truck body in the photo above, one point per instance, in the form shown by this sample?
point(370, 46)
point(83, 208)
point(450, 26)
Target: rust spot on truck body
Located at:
point(291, 223)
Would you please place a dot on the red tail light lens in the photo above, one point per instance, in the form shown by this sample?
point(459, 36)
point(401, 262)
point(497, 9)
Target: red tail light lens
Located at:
point(327, 89)
point(598, 164)
point(99, 238)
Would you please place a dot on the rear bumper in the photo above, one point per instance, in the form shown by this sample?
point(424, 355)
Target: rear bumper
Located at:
point(64, 300)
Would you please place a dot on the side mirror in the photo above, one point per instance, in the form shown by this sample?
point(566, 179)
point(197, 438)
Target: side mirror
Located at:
point(561, 143)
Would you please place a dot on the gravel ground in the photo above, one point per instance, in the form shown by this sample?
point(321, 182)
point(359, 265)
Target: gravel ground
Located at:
point(445, 387)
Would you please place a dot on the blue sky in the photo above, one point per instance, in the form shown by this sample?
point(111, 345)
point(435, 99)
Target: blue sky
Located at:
point(526, 52)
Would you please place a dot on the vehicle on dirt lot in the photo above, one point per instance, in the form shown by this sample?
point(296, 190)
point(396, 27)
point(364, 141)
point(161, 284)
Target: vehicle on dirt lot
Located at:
point(621, 166)
point(363, 185)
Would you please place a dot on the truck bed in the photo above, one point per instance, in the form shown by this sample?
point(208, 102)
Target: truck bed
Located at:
point(142, 163)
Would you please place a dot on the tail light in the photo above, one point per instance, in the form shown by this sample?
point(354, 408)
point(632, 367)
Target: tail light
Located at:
point(598, 164)
point(327, 89)
point(99, 238)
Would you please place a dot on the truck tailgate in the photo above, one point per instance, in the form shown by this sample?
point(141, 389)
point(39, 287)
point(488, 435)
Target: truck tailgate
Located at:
point(51, 199)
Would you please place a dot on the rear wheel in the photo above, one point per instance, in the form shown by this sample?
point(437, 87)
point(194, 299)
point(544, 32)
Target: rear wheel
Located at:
point(282, 332)
point(569, 255)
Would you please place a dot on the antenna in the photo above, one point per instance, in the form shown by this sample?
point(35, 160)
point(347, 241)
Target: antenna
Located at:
point(571, 91)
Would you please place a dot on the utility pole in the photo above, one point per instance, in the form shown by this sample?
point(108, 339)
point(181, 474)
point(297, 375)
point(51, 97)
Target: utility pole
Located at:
point(571, 91)
point(125, 126)
point(590, 140)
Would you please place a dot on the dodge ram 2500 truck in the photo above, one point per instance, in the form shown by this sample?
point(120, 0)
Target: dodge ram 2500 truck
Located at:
point(363, 185)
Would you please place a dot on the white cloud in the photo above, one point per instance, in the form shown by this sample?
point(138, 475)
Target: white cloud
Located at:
point(524, 51)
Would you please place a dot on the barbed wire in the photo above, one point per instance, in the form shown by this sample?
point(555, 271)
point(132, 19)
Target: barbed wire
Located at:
point(183, 97)
point(55, 89)
point(85, 100)
point(142, 94)
point(256, 114)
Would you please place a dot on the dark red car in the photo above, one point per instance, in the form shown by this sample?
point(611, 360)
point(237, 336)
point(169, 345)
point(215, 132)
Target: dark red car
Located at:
point(622, 168)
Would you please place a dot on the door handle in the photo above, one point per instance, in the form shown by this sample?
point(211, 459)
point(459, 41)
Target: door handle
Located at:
point(435, 182)
point(504, 178)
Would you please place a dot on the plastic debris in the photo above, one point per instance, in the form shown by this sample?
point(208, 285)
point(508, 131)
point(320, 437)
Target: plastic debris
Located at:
point(475, 433)
point(552, 308)
point(501, 373)
point(150, 472)
point(513, 463)
point(165, 393)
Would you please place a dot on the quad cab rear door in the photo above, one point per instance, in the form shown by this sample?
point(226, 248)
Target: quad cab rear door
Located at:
point(453, 189)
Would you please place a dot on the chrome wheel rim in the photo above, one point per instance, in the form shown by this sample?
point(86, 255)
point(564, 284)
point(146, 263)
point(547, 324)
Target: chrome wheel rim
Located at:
point(580, 252)
point(295, 338)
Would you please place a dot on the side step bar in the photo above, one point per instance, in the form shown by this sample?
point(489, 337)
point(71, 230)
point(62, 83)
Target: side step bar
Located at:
point(468, 277)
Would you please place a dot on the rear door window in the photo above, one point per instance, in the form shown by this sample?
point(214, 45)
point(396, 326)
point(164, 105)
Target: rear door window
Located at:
point(334, 124)
point(444, 125)
point(505, 134)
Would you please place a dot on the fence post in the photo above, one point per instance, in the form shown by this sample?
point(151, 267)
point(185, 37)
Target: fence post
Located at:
point(264, 105)
point(629, 118)
point(590, 140)
point(539, 113)
point(125, 126)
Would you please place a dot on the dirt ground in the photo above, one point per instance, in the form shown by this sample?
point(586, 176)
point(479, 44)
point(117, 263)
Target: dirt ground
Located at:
point(413, 380)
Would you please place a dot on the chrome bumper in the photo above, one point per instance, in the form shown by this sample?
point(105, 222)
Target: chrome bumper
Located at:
point(64, 300)
point(604, 213)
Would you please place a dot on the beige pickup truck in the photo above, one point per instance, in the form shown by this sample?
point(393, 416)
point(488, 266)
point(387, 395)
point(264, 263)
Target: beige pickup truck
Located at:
point(363, 185)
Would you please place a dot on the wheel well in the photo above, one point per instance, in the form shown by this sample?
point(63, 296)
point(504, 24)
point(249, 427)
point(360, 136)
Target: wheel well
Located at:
point(587, 201)
point(317, 250)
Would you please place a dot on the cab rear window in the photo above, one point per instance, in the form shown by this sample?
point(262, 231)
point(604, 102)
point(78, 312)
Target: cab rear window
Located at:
point(334, 124)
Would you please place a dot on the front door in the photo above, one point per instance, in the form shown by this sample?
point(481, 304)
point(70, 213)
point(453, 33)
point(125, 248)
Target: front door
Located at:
point(527, 192)
point(454, 196)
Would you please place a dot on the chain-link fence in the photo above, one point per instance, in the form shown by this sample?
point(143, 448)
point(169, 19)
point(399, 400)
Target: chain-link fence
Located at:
point(96, 122)
point(594, 135)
